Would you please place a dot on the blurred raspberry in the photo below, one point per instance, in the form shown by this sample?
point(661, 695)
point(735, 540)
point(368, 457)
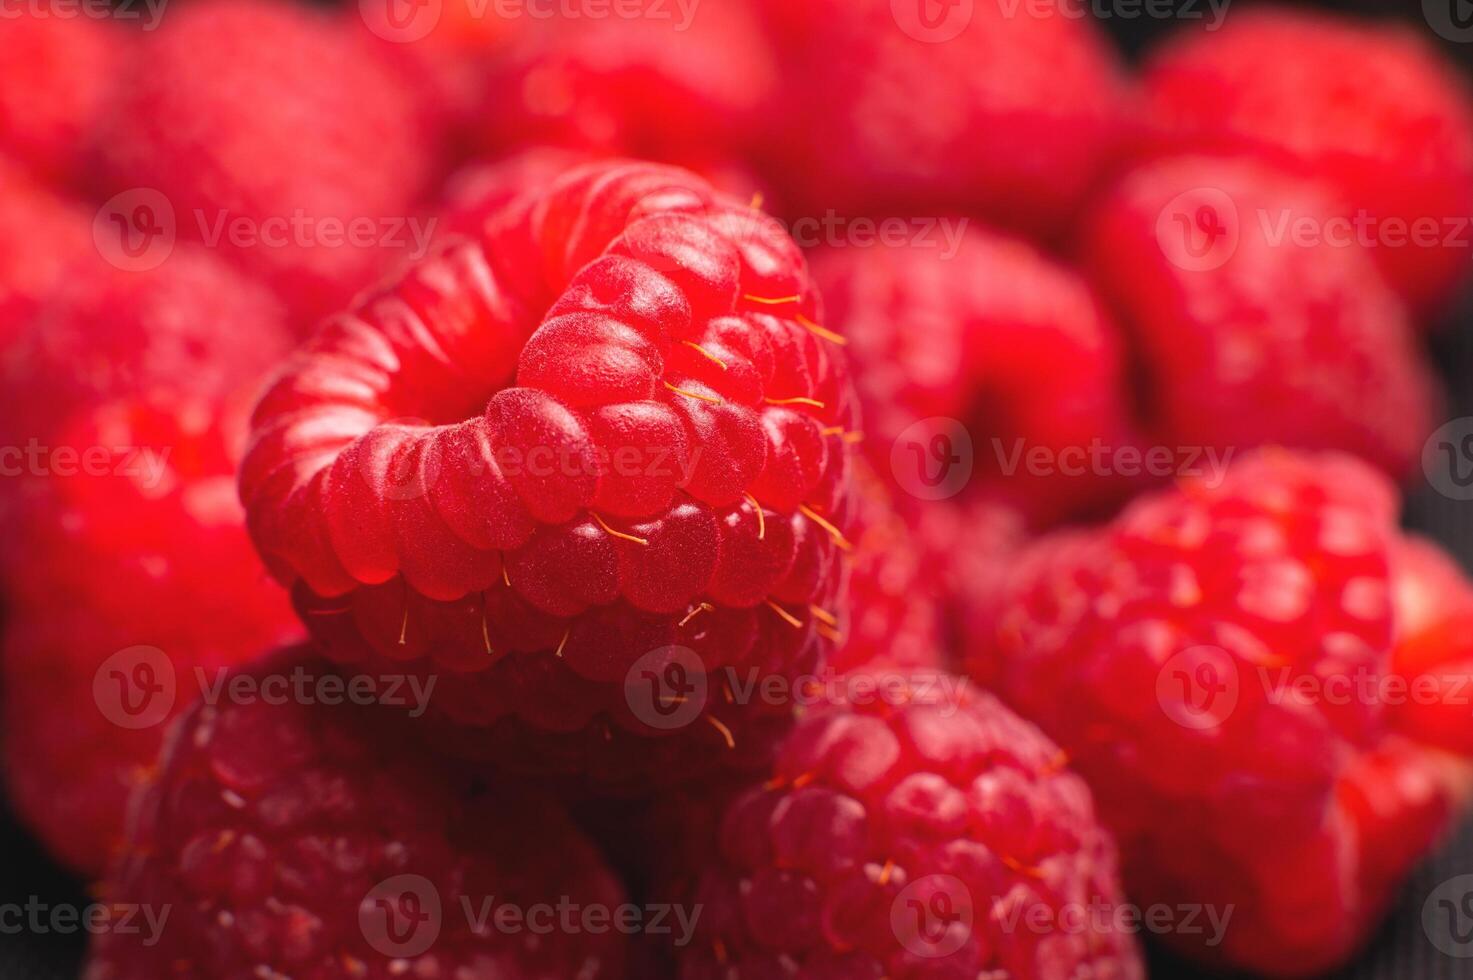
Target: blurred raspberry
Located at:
point(298, 838)
point(1393, 135)
point(1247, 335)
point(1434, 645)
point(975, 359)
point(41, 237)
point(61, 73)
point(481, 191)
point(1011, 115)
point(590, 450)
point(939, 837)
point(691, 86)
point(278, 136)
point(1215, 654)
point(124, 408)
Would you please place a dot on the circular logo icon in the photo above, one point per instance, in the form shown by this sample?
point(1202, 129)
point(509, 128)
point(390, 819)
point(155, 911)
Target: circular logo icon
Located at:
point(135, 688)
point(1447, 459)
point(933, 21)
point(401, 21)
point(1450, 19)
point(1199, 230)
point(666, 688)
point(932, 459)
point(135, 230)
point(932, 916)
point(1198, 687)
point(400, 916)
point(1447, 917)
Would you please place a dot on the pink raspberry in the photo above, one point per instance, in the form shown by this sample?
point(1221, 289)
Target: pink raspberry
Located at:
point(41, 237)
point(605, 436)
point(937, 838)
point(1393, 137)
point(1216, 654)
point(1434, 645)
point(278, 136)
point(1247, 334)
point(1011, 114)
point(301, 839)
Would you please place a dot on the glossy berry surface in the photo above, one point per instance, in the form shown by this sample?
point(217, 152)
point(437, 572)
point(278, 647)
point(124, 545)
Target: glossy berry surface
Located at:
point(297, 838)
point(1434, 645)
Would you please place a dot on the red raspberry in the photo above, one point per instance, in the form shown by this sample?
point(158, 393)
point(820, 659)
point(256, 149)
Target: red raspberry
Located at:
point(940, 838)
point(278, 136)
point(1434, 645)
point(41, 236)
point(1393, 136)
point(479, 192)
point(1012, 114)
point(660, 463)
point(62, 72)
point(1009, 350)
point(1245, 338)
point(651, 85)
point(300, 839)
point(125, 409)
point(1216, 654)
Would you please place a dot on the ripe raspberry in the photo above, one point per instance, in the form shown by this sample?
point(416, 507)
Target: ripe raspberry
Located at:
point(300, 839)
point(278, 136)
point(41, 236)
point(1002, 343)
point(1013, 118)
point(1434, 645)
point(1394, 136)
point(926, 839)
point(1208, 655)
point(1246, 338)
point(62, 72)
point(125, 410)
point(694, 88)
point(479, 192)
point(666, 468)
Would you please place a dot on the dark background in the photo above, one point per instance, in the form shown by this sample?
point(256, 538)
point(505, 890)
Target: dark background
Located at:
point(1400, 952)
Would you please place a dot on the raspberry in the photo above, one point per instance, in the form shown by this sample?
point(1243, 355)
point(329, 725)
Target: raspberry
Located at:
point(997, 341)
point(277, 136)
point(661, 463)
point(1246, 338)
point(125, 406)
point(41, 236)
point(1434, 645)
point(300, 839)
point(1043, 86)
point(922, 839)
point(693, 88)
point(1394, 136)
point(1189, 657)
point(481, 191)
point(74, 62)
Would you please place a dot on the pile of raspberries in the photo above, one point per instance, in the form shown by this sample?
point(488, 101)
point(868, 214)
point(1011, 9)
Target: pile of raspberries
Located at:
point(839, 490)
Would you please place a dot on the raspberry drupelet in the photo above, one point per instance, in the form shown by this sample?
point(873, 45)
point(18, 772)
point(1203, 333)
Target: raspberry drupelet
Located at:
point(609, 431)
